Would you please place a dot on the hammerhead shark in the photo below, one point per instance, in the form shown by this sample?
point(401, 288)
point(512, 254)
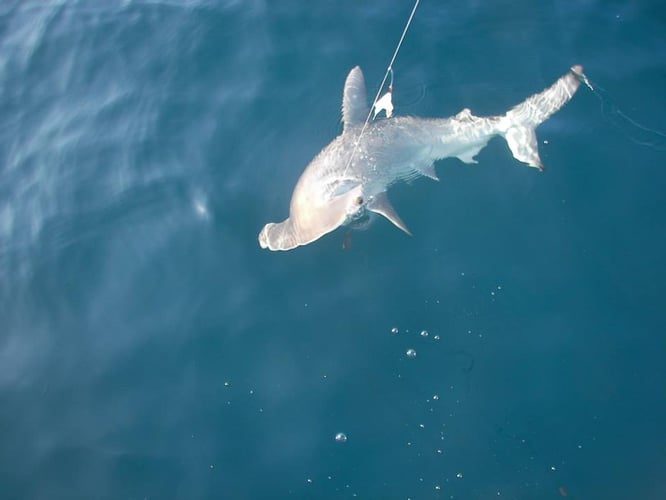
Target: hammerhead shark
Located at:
point(351, 175)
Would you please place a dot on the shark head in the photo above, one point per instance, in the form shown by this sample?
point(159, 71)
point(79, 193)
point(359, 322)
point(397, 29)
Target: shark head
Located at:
point(322, 201)
point(309, 221)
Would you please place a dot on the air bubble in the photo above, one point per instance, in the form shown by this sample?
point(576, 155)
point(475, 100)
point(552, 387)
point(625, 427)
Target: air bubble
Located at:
point(341, 437)
point(424, 333)
point(411, 353)
point(394, 330)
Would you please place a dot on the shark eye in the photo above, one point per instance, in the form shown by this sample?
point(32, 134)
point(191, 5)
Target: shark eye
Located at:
point(359, 200)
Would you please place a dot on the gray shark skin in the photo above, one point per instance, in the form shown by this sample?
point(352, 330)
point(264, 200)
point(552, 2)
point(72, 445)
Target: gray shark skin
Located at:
point(351, 176)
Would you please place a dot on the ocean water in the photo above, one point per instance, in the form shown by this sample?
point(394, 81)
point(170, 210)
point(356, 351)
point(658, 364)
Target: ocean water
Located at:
point(149, 349)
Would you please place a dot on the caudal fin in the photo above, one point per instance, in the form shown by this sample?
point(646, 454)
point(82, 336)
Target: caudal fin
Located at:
point(519, 122)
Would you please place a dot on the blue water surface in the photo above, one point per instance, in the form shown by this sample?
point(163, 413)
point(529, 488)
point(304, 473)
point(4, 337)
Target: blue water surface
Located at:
point(150, 349)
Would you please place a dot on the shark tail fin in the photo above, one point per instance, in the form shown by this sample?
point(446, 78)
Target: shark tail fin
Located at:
point(519, 122)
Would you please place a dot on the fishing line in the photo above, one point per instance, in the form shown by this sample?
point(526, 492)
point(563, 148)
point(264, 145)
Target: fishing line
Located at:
point(389, 70)
point(637, 133)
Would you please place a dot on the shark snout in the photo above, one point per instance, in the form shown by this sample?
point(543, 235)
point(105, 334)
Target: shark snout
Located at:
point(279, 236)
point(263, 235)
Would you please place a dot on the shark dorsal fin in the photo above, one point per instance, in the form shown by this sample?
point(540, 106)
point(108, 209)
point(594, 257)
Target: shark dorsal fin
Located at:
point(381, 205)
point(355, 108)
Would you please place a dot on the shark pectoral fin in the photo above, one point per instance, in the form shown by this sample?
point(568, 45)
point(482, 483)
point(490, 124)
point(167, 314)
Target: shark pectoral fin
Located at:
point(355, 108)
point(381, 205)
